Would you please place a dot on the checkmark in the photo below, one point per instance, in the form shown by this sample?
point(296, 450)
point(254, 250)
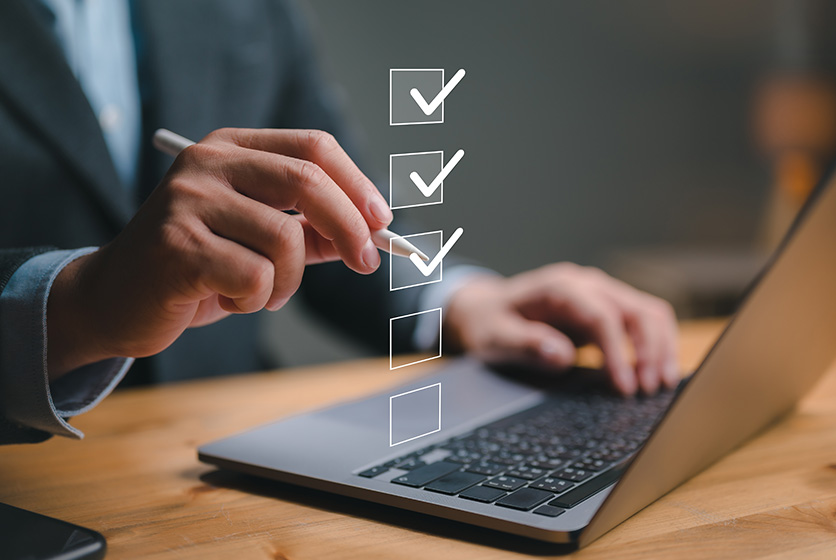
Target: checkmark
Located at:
point(427, 269)
point(428, 190)
point(429, 108)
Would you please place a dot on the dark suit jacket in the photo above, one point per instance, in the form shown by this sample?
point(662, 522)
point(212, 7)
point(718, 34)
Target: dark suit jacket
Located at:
point(203, 64)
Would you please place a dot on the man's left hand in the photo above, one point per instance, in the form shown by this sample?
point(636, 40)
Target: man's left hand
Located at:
point(538, 318)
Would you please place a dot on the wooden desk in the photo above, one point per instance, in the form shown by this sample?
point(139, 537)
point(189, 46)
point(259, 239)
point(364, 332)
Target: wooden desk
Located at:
point(136, 479)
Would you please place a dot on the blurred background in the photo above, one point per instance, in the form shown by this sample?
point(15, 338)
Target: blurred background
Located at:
point(670, 144)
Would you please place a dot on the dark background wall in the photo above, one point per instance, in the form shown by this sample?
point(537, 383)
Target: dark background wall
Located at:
point(590, 128)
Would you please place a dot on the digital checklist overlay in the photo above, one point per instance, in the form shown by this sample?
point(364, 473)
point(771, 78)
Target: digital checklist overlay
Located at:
point(428, 181)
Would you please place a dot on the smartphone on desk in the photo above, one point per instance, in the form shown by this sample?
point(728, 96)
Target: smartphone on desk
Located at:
point(25, 535)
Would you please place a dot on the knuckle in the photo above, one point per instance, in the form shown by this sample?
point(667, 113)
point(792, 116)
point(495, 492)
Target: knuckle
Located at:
point(310, 175)
point(179, 188)
point(595, 273)
point(202, 152)
point(257, 276)
point(178, 246)
point(179, 238)
point(563, 269)
point(286, 231)
point(664, 308)
point(598, 319)
point(318, 143)
point(221, 135)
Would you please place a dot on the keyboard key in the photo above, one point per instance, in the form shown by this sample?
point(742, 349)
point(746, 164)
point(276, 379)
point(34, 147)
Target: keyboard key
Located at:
point(551, 484)
point(507, 459)
point(464, 456)
point(575, 475)
point(423, 475)
point(485, 468)
point(528, 473)
point(524, 499)
point(374, 471)
point(508, 483)
point(482, 494)
point(549, 511)
point(410, 464)
point(590, 464)
point(454, 483)
point(543, 462)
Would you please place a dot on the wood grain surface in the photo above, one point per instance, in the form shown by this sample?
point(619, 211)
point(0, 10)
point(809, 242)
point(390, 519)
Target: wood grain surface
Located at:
point(136, 479)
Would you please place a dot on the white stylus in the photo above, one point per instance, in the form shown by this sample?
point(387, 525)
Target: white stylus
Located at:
point(172, 144)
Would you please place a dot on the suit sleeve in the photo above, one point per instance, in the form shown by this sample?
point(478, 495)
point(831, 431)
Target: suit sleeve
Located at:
point(31, 408)
point(11, 432)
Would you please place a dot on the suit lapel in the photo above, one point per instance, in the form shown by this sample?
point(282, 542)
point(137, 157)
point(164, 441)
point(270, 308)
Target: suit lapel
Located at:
point(39, 86)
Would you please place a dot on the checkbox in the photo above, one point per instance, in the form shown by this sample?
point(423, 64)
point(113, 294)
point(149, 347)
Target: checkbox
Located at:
point(403, 110)
point(409, 323)
point(404, 274)
point(403, 193)
point(414, 414)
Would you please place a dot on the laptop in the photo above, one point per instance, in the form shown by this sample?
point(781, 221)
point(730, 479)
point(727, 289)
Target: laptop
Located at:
point(567, 462)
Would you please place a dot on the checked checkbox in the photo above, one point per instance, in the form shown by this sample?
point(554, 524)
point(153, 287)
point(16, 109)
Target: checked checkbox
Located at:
point(417, 179)
point(428, 268)
point(404, 274)
point(416, 96)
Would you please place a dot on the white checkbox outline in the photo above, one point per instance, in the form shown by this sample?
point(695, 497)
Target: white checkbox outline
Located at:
point(393, 397)
point(392, 117)
point(393, 367)
point(391, 180)
point(392, 256)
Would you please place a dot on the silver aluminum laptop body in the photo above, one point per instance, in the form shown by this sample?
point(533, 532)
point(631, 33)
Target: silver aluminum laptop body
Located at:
point(778, 344)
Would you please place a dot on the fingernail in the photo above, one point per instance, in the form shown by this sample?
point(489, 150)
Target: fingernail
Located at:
point(381, 211)
point(370, 256)
point(671, 373)
point(649, 380)
point(629, 383)
point(555, 351)
point(550, 348)
point(275, 305)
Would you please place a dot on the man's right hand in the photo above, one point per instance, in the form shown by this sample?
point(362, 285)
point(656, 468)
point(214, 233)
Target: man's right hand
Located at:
point(213, 239)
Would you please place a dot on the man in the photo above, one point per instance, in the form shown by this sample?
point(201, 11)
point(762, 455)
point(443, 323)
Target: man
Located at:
point(82, 87)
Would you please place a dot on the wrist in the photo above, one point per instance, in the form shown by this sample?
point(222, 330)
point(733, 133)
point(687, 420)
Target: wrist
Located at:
point(469, 303)
point(71, 342)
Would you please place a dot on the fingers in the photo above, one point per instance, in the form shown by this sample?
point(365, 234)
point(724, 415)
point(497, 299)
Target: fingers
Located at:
point(317, 248)
point(603, 310)
point(651, 325)
point(603, 324)
point(322, 149)
point(242, 278)
point(287, 183)
point(321, 181)
point(670, 345)
point(266, 231)
point(518, 340)
point(647, 343)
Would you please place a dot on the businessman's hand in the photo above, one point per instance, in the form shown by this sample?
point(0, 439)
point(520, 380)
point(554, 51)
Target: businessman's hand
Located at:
point(213, 239)
point(539, 317)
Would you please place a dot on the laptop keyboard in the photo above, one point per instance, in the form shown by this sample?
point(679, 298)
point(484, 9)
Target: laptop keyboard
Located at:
point(545, 459)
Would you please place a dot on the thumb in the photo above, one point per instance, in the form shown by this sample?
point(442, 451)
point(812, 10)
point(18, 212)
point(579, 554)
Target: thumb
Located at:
point(519, 340)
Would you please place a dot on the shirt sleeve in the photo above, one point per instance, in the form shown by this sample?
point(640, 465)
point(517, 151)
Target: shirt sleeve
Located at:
point(26, 396)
